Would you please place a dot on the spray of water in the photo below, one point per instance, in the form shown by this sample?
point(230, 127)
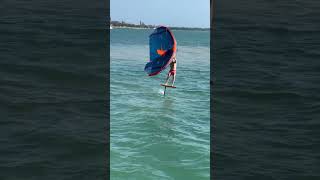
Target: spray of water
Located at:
point(161, 91)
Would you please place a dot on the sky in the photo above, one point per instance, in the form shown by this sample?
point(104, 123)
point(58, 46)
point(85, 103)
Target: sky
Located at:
point(181, 13)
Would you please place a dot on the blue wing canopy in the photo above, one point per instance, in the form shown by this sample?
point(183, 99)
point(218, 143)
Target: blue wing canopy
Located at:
point(162, 48)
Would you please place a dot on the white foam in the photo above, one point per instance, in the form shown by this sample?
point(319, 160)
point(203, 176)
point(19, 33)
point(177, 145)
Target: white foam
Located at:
point(161, 91)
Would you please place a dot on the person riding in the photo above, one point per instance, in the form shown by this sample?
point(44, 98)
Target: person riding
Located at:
point(172, 71)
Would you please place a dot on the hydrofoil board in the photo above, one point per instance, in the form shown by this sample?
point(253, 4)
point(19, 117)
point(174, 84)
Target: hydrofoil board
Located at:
point(169, 86)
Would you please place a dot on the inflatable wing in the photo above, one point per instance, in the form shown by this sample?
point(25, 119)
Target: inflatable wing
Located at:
point(163, 47)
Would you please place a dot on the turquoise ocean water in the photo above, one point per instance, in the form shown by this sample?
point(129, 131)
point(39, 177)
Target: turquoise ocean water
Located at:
point(152, 136)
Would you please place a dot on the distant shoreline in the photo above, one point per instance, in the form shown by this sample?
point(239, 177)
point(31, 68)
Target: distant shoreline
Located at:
point(129, 27)
point(124, 25)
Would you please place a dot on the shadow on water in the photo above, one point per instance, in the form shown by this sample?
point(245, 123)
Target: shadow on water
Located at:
point(164, 124)
point(167, 103)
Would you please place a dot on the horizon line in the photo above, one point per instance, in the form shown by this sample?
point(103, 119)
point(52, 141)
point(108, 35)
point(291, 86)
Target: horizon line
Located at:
point(159, 24)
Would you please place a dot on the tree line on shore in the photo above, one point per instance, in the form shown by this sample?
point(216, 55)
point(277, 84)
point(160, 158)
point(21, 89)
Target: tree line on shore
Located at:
point(143, 25)
point(125, 24)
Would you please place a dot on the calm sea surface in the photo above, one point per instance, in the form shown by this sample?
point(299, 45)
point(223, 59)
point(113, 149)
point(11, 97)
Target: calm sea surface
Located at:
point(152, 136)
point(266, 90)
point(53, 97)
